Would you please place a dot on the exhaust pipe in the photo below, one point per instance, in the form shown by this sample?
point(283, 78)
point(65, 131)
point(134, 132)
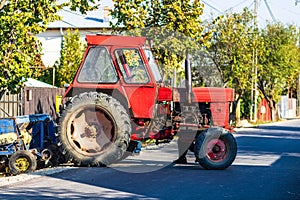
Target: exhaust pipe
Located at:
point(188, 77)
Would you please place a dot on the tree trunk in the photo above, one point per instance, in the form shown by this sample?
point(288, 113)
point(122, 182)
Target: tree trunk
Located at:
point(232, 116)
point(274, 110)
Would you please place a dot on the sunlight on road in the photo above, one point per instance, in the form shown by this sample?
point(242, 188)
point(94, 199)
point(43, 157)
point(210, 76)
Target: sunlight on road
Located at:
point(83, 191)
point(256, 160)
point(268, 136)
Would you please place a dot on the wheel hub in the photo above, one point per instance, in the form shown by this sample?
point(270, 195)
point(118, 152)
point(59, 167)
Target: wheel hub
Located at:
point(216, 150)
point(22, 164)
point(91, 130)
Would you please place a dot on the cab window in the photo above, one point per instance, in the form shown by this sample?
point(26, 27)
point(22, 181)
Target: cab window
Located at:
point(98, 67)
point(131, 66)
point(153, 65)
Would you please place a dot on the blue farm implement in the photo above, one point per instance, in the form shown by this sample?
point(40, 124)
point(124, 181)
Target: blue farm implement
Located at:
point(26, 143)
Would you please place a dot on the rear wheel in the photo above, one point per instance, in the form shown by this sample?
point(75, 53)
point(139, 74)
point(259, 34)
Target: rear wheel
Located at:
point(94, 129)
point(215, 148)
point(22, 162)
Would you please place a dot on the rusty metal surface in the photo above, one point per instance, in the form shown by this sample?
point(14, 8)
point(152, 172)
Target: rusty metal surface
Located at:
point(91, 130)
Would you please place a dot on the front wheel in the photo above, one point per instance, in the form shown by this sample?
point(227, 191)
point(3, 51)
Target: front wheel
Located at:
point(215, 148)
point(22, 162)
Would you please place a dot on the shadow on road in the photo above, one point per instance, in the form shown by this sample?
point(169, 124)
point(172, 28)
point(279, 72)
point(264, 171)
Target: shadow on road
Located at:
point(267, 167)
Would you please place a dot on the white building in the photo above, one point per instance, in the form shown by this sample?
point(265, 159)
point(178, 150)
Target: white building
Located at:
point(287, 107)
point(93, 22)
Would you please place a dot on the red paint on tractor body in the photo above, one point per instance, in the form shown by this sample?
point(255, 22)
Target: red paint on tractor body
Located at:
point(142, 97)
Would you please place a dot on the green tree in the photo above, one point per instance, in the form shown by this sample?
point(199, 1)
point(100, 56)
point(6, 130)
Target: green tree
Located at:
point(173, 25)
point(83, 5)
point(19, 48)
point(20, 21)
point(278, 63)
point(71, 55)
point(230, 54)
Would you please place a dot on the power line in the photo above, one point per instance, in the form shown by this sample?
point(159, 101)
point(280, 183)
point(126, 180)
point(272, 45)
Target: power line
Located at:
point(251, 4)
point(212, 7)
point(238, 4)
point(270, 11)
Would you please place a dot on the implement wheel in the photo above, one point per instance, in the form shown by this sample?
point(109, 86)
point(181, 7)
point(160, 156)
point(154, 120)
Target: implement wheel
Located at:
point(94, 130)
point(22, 162)
point(215, 148)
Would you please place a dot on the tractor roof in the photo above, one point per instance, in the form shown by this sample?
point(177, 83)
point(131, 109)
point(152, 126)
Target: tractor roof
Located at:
point(115, 40)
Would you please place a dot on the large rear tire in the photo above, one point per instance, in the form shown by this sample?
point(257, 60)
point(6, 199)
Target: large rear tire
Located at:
point(215, 148)
point(94, 130)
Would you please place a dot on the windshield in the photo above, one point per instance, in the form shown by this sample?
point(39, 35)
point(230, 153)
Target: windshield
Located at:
point(97, 67)
point(153, 65)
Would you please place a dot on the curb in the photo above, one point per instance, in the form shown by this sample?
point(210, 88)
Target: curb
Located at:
point(9, 180)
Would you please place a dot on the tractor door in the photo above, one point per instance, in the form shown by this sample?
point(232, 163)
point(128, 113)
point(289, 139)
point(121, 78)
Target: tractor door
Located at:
point(138, 83)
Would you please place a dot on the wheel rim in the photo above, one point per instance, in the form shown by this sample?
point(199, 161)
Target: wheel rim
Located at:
point(216, 150)
point(22, 164)
point(91, 130)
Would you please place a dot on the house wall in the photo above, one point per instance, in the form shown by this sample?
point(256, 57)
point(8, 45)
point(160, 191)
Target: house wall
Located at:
point(51, 46)
point(52, 40)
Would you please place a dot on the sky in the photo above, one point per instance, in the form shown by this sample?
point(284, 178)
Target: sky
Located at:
point(284, 11)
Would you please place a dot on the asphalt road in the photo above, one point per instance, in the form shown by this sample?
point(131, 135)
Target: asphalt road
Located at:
point(266, 167)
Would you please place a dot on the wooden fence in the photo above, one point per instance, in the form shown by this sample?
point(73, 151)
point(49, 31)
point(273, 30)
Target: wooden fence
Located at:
point(32, 100)
point(11, 105)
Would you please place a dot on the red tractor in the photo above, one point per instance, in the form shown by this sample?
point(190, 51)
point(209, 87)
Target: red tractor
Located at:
point(117, 99)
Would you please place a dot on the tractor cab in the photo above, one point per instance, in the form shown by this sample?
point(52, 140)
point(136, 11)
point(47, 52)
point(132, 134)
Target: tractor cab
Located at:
point(121, 66)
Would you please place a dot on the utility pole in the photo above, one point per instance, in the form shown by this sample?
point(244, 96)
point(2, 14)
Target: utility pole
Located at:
point(254, 92)
point(298, 95)
point(298, 82)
